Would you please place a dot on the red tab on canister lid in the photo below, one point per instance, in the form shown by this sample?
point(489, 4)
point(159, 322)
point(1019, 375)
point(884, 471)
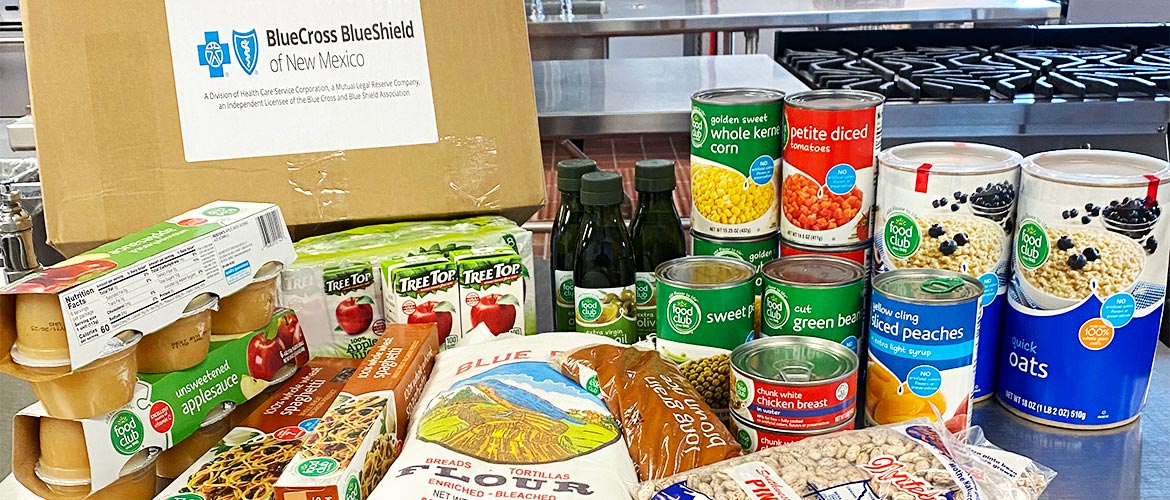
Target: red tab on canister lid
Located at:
point(921, 177)
point(1152, 189)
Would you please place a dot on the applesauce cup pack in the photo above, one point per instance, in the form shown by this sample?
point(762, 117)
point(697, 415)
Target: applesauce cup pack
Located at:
point(491, 289)
point(423, 289)
point(265, 440)
point(81, 309)
point(164, 410)
point(351, 448)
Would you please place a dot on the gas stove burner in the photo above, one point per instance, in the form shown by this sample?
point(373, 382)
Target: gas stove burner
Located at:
point(969, 73)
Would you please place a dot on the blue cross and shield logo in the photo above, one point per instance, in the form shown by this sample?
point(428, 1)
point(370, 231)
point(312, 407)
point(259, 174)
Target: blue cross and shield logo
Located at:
point(212, 55)
point(246, 49)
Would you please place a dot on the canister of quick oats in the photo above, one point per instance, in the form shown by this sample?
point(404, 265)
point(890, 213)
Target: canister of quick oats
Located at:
point(1087, 290)
point(951, 205)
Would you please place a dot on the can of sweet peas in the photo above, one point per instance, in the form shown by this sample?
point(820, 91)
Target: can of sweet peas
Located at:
point(829, 169)
point(736, 140)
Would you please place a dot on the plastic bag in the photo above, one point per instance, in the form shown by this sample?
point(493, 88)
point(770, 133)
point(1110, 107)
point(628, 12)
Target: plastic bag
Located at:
point(915, 460)
point(668, 426)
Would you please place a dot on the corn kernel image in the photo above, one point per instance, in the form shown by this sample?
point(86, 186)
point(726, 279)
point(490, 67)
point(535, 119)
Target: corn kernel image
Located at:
point(889, 400)
point(725, 196)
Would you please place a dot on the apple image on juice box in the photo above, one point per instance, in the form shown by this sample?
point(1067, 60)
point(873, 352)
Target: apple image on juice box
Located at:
point(491, 289)
point(423, 289)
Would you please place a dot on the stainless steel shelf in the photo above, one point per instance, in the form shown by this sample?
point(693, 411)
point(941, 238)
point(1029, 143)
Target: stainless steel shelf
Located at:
point(655, 17)
point(582, 98)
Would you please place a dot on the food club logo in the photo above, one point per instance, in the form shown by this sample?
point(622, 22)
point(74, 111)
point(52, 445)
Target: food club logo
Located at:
point(214, 55)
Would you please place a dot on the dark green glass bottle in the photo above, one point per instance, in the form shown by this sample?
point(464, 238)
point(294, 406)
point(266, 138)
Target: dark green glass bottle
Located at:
point(563, 242)
point(657, 234)
point(603, 274)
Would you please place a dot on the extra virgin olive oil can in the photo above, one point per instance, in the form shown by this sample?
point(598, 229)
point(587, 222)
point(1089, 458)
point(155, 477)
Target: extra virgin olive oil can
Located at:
point(736, 140)
point(706, 309)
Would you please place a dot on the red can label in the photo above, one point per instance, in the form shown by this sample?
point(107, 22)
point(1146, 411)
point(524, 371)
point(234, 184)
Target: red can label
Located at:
point(829, 175)
point(754, 438)
point(860, 255)
point(793, 407)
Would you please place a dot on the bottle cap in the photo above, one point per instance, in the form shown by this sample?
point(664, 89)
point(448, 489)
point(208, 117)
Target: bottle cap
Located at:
point(601, 188)
point(654, 175)
point(569, 173)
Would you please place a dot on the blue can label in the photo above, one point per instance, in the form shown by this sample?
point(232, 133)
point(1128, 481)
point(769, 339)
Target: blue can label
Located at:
point(922, 360)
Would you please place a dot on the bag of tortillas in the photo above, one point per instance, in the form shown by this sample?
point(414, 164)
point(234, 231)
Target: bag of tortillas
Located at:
point(497, 421)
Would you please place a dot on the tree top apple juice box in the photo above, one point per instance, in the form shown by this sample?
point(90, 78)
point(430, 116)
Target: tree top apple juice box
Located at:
point(491, 289)
point(423, 289)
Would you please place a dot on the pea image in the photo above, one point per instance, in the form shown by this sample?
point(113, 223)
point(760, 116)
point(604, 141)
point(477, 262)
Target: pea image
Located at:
point(711, 378)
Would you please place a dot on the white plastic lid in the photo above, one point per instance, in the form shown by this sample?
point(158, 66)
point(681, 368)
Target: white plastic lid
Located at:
point(1094, 167)
point(200, 303)
point(22, 360)
point(961, 158)
point(220, 412)
point(268, 271)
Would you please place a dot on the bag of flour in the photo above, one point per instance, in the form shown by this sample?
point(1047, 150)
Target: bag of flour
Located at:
point(497, 421)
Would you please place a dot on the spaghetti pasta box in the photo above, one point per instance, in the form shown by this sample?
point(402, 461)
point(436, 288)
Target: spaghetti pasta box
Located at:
point(353, 445)
point(166, 408)
point(83, 308)
point(423, 289)
point(247, 462)
point(491, 289)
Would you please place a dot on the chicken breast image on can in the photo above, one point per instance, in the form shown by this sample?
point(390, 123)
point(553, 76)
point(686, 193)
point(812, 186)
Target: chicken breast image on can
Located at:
point(951, 205)
point(1088, 288)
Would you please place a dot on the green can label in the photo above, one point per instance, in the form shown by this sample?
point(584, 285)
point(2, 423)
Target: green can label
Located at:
point(735, 144)
point(566, 320)
point(755, 252)
point(695, 323)
point(646, 304)
point(607, 311)
point(832, 313)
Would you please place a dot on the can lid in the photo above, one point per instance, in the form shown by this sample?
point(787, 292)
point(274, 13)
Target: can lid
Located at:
point(928, 286)
point(738, 95)
point(569, 173)
point(601, 188)
point(834, 99)
point(794, 360)
point(705, 272)
point(1098, 167)
point(955, 158)
point(814, 271)
point(654, 175)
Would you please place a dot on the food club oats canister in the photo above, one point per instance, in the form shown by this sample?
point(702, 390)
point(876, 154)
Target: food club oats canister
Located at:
point(706, 308)
point(951, 205)
point(829, 166)
point(814, 296)
point(1087, 290)
point(794, 383)
point(923, 331)
point(736, 139)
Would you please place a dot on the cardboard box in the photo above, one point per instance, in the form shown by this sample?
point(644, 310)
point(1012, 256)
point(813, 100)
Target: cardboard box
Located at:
point(121, 145)
point(353, 445)
point(278, 424)
point(143, 282)
point(166, 409)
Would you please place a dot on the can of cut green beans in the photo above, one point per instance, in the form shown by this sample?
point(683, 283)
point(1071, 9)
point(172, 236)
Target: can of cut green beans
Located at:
point(706, 308)
point(814, 296)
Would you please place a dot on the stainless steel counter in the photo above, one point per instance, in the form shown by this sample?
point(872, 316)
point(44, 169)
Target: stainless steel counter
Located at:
point(653, 17)
point(649, 95)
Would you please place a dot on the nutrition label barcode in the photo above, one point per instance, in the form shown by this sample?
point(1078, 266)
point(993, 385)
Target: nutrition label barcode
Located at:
point(271, 231)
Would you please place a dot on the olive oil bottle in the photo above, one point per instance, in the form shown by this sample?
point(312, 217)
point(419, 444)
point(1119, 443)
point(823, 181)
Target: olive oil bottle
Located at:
point(565, 234)
point(603, 273)
point(657, 234)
